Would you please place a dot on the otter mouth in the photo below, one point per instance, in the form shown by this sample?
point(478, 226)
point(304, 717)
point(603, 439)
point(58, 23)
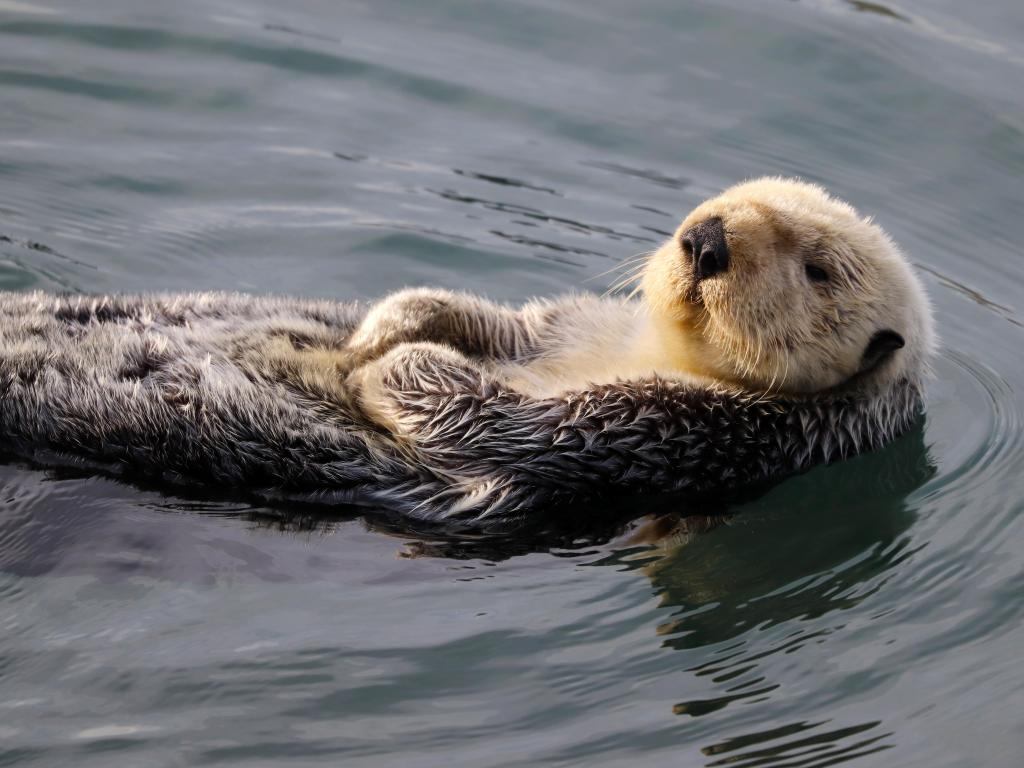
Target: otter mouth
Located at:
point(692, 295)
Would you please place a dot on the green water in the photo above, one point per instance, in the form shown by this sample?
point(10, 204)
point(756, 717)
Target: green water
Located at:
point(868, 613)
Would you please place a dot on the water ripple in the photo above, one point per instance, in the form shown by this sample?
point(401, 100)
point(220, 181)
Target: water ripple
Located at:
point(347, 150)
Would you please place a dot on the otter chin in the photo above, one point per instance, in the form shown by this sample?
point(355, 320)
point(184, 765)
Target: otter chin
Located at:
point(776, 286)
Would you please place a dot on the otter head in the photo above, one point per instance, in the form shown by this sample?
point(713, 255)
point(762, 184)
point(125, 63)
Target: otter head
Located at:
point(776, 286)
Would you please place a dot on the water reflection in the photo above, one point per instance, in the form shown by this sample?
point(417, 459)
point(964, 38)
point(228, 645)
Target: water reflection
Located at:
point(822, 749)
point(505, 181)
point(538, 215)
point(647, 174)
point(747, 592)
point(27, 264)
point(876, 8)
point(806, 548)
point(749, 585)
point(974, 295)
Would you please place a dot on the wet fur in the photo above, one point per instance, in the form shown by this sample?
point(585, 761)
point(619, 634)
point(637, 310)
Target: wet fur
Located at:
point(442, 405)
point(252, 392)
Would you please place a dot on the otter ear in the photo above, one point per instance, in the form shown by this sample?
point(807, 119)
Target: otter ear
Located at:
point(881, 346)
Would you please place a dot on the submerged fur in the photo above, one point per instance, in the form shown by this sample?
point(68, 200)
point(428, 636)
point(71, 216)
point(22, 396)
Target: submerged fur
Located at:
point(441, 405)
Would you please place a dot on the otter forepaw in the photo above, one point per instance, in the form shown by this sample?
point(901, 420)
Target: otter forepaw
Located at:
point(403, 388)
point(368, 391)
point(403, 317)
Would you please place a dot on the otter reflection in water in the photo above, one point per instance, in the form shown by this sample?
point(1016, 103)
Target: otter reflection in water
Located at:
point(742, 591)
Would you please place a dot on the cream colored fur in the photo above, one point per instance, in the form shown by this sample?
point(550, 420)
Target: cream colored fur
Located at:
point(761, 324)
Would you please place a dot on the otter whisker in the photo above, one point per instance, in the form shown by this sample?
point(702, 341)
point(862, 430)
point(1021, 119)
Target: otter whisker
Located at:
point(631, 274)
point(757, 358)
point(634, 293)
point(626, 275)
point(629, 262)
point(768, 392)
point(634, 274)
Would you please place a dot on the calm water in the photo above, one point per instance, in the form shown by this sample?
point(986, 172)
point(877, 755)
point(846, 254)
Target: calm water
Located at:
point(869, 612)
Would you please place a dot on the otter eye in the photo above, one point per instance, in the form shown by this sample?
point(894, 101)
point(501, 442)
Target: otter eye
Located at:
point(815, 273)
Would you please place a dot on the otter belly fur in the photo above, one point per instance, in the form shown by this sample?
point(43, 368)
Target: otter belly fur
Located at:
point(600, 340)
point(777, 331)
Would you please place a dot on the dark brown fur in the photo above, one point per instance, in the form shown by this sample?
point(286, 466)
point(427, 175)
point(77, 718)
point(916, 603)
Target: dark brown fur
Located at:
point(252, 393)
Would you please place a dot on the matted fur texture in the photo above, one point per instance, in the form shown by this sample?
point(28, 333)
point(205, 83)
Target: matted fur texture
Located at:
point(442, 405)
point(254, 393)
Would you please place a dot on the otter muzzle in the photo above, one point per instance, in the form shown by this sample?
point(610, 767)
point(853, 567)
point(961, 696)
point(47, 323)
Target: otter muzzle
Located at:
point(705, 244)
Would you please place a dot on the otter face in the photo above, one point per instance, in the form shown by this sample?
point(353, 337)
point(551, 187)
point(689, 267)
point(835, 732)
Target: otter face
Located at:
point(775, 285)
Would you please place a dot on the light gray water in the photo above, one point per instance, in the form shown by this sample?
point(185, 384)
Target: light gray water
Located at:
point(868, 613)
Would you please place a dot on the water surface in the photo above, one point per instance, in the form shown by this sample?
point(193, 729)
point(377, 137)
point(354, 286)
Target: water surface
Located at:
point(867, 613)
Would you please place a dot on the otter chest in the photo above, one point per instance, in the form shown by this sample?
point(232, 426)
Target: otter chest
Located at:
point(604, 344)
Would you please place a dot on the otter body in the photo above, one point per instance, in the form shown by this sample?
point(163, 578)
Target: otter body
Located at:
point(729, 372)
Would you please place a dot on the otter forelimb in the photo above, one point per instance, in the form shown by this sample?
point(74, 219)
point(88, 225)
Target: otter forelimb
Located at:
point(471, 325)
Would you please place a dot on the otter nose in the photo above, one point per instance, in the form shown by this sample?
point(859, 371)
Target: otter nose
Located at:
point(706, 244)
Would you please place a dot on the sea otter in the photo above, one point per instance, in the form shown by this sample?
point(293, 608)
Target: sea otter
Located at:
point(777, 329)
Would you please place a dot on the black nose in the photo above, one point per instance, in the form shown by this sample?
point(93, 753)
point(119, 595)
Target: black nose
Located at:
point(705, 243)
